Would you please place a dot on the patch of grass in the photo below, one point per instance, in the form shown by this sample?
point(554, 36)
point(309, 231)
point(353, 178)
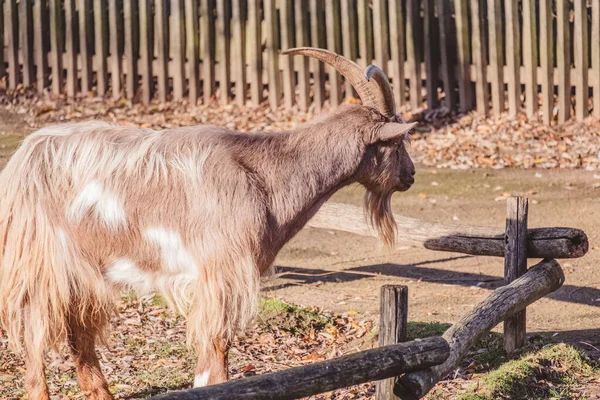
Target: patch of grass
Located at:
point(276, 314)
point(548, 373)
point(420, 330)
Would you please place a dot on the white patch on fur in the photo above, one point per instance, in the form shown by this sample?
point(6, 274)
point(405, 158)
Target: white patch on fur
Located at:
point(175, 256)
point(125, 272)
point(106, 205)
point(201, 380)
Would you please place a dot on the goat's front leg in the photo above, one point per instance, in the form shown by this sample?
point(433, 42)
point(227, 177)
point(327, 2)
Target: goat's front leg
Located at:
point(212, 367)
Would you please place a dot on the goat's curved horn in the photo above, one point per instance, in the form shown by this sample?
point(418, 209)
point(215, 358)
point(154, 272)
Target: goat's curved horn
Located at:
point(375, 93)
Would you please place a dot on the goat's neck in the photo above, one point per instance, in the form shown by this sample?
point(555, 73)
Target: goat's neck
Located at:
point(309, 166)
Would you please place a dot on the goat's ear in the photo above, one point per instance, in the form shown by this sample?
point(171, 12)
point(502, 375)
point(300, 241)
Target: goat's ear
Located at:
point(392, 131)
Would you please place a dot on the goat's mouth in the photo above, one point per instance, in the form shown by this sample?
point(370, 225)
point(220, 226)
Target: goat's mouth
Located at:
point(403, 186)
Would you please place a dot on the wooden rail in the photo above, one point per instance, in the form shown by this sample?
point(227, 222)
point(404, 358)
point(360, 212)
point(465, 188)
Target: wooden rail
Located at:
point(230, 49)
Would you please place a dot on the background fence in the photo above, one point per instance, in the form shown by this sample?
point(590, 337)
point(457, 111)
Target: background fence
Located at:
point(491, 55)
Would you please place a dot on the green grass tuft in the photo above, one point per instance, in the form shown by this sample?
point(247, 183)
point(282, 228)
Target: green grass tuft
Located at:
point(276, 314)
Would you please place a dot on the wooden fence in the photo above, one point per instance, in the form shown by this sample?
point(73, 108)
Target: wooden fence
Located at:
point(488, 55)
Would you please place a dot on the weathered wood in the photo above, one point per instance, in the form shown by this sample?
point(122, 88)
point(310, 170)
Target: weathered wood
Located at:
point(393, 324)
point(287, 63)
point(70, 49)
point(130, 26)
point(294, 383)
point(224, 47)
point(239, 39)
point(446, 46)
point(397, 49)
point(273, 53)
point(581, 59)
point(317, 36)
point(2, 69)
point(207, 37)
point(365, 31)
point(380, 34)
point(413, 55)
point(563, 61)
point(26, 41)
point(546, 59)
point(85, 45)
point(101, 46)
point(494, 18)
point(513, 58)
point(515, 265)
point(431, 49)
point(465, 88)
point(192, 49)
point(332, 12)
point(302, 62)
point(255, 51)
point(146, 50)
point(349, 45)
point(56, 46)
point(115, 48)
point(40, 37)
point(596, 57)
point(530, 57)
point(176, 29)
point(541, 243)
point(479, 58)
point(12, 36)
point(540, 280)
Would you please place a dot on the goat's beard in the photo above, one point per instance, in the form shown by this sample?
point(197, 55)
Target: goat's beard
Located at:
point(378, 206)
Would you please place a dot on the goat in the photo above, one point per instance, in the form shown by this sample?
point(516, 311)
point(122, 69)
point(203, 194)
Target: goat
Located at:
point(195, 213)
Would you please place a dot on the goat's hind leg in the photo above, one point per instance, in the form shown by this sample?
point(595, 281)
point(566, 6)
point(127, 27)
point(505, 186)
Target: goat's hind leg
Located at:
point(82, 341)
point(35, 377)
point(213, 368)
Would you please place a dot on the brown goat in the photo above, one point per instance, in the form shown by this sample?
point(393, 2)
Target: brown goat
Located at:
point(196, 214)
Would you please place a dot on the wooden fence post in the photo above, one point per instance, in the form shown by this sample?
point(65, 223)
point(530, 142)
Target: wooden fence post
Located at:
point(393, 317)
point(515, 265)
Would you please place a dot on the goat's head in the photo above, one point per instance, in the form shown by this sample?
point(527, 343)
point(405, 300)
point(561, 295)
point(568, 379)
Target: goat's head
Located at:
point(386, 166)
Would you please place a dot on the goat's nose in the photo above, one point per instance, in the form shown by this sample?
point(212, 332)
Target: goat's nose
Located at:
point(410, 180)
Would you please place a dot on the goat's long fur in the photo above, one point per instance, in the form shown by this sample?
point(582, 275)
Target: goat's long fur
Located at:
point(197, 214)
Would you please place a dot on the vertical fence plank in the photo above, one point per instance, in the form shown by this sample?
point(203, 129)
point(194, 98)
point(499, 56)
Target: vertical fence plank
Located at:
point(273, 53)
point(479, 58)
point(287, 62)
point(446, 46)
point(70, 49)
point(207, 36)
point(146, 50)
point(101, 46)
point(515, 265)
point(495, 18)
point(393, 325)
point(581, 59)
point(380, 34)
point(365, 32)
point(177, 26)
point(546, 59)
point(464, 55)
point(162, 48)
point(12, 36)
point(40, 30)
point(240, 51)
point(332, 13)
point(397, 49)
point(513, 59)
point(255, 51)
point(115, 51)
point(431, 48)
point(26, 41)
point(192, 49)
point(56, 46)
point(530, 59)
point(130, 25)
point(85, 45)
point(348, 42)
point(317, 33)
point(412, 52)
point(224, 46)
point(563, 61)
point(302, 40)
point(596, 56)
point(2, 70)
